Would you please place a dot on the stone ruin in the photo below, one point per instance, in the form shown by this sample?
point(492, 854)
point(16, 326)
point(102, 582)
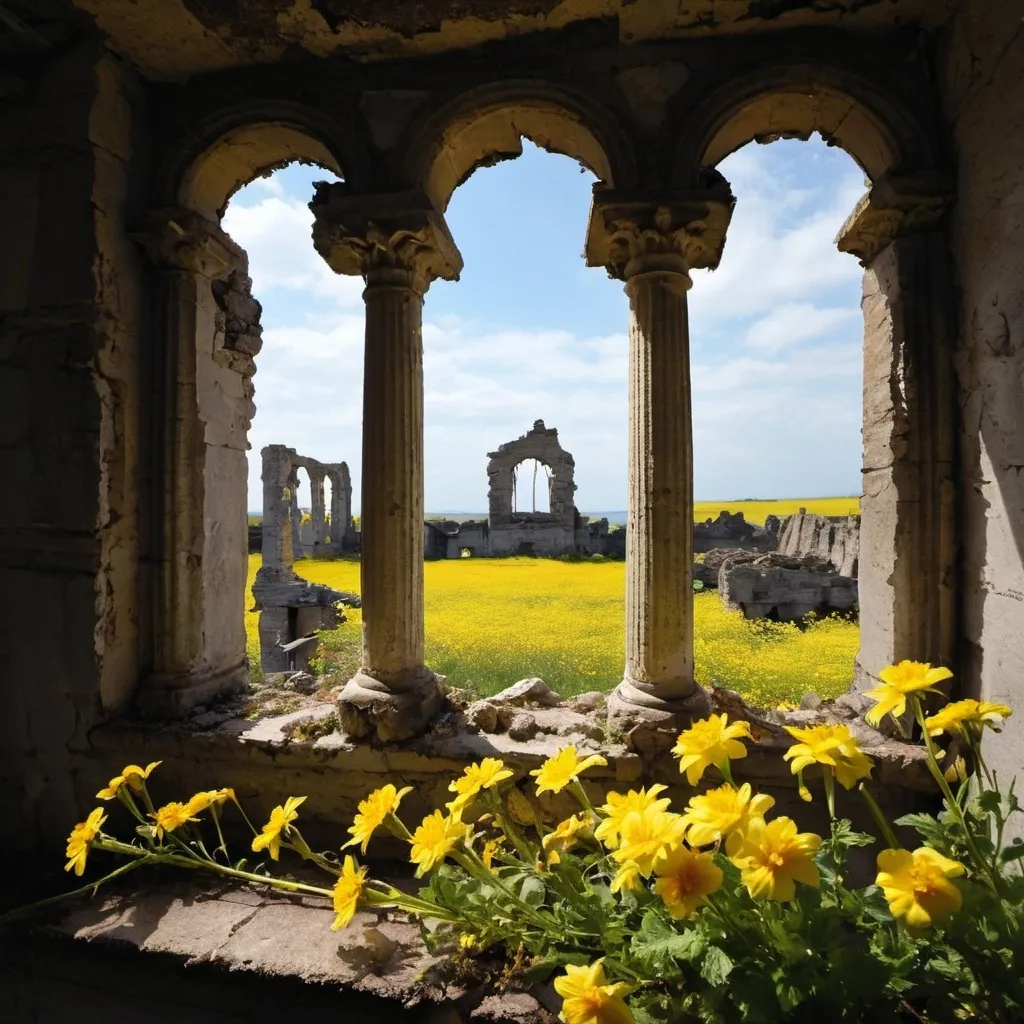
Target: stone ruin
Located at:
point(293, 609)
point(510, 531)
point(814, 569)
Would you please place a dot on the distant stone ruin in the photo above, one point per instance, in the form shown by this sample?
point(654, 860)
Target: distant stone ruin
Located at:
point(813, 570)
point(293, 609)
point(510, 531)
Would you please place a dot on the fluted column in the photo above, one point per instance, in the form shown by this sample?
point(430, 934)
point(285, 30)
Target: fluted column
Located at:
point(651, 244)
point(317, 511)
point(399, 244)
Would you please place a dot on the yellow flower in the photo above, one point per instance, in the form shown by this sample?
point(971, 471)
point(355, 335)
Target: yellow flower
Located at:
point(722, 811)
point(627, 877)
point(587, 998)
point(969, 715)
point(171, 816)
point(488, 773)
point(348, 891)
point(618, 806)
point(564, 837)
point(372, 812)
point(491, 847)
point(281, 819)
point(833, 747)
point(467, 940)
point(81, 836)
point(772, 857)
point(646, 838)
point(957, 771)
point(898, 681)
point(685, 879)
point(435, 839)
point(557, 772)
point(519, 807)
point(917, 885)
point(201, 801)
point(711, 741)
point(132, 774)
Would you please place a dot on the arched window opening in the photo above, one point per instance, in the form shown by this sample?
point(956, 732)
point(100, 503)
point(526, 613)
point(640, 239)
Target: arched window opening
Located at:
point(776, 361)
point(325, 533)
point(532, 488)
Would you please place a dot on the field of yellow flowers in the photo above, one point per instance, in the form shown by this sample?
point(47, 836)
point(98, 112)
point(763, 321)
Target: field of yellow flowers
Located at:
point(491, 622)
point(757, 510)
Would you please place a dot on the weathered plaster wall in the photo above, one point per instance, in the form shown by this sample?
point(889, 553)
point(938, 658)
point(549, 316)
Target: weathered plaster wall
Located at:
point(984, 101)
point(69, 429)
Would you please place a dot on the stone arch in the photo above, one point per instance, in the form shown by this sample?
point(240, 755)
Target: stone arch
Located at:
point(877, 130)
point(906, 579)
point(540, 443)
point(233, 147)
point(486, 125)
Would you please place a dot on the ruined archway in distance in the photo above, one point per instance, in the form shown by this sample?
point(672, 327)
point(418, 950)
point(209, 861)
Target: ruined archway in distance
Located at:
point(532, 487)
point(489, 125)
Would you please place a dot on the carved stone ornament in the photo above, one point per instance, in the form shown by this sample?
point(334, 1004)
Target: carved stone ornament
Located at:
point(185, 240)
point(631, 233)
point(370, 235)
point(891, 209)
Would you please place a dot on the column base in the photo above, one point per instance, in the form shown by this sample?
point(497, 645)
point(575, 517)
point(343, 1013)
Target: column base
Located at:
point(367, 706)
point(650, 723)
point(163, 695)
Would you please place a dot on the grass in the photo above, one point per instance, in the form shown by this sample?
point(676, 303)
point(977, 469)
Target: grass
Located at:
point(491, 622)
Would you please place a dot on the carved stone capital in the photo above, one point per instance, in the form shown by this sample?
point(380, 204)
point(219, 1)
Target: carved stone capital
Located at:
point(633, 233)
point(395, 238)
point(185, 240)
point(892, 209)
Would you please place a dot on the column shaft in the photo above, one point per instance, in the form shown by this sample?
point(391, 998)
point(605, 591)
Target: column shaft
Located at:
point(659, 539)
point(392, 510)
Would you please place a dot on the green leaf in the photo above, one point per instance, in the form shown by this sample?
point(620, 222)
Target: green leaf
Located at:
point(1015, 851)
point(658, 945)
point(843, 835)
point(533, 891)
point(926, 826)
point(715, 966)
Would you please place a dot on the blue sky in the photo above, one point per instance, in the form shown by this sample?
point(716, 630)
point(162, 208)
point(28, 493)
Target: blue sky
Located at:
point(529, 332)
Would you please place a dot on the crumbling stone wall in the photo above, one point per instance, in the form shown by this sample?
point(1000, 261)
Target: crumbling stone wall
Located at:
point(71, 310)
point(290, 607)
point(833, 539)
point(984, 104)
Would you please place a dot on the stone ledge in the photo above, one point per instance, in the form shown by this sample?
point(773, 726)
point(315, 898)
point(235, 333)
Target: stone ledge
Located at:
point(376, 967)
point(264, 763)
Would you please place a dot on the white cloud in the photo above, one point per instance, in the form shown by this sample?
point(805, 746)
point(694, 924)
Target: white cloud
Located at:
point(276, 232)
point(795, 323)
point(775, 340)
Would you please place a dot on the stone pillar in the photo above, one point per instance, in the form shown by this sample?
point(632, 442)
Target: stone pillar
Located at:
point(316, 508)
point(907, 578)
point(651, 243)
point(399, 244)
point(194, 542)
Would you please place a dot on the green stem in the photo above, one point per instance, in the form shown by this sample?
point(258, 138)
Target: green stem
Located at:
point(50, 901)
point(580, 793)
point(830, 790)
point(955, 809)
point(477, 870)
point(220, 835)
point(508, 826)
point(880, 820)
